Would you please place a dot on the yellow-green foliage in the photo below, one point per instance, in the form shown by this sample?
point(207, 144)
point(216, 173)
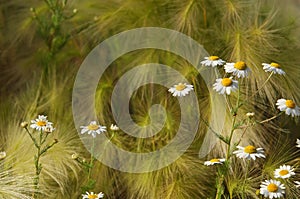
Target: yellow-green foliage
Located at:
point(37, 77)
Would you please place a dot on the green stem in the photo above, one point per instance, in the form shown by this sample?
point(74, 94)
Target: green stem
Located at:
point(91, 161)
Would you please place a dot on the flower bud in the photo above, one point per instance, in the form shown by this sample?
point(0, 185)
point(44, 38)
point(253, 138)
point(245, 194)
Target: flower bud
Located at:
point(24, 124)
point(2, 155)
point(114, 127)
point(250, 115)
point(74, 156)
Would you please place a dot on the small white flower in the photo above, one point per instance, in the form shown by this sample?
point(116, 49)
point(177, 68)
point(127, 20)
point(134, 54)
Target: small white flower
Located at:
point(272, 189)
point(298, 143)
point(249, 152)
point(297, 184)
point(92, 195)
point(288, 106)
point(40, 123)
point(2, 155)
point(284, 171)
point(49, 128)
point(93, 128)
point(273, 67)
point(225, 85)
point(214, 161)
point(180, 89)
point(114, 127)
point(212, 61)
point(239, 69)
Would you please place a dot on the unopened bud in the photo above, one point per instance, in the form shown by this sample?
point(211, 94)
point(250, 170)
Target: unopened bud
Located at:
point(24, 124)
point(2, 155)
point(250, 115)
point(74, 156)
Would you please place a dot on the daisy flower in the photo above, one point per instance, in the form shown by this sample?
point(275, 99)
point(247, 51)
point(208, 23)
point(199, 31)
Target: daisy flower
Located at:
point(114, 127)
point(214, 161)
point(212, 61)
point(93, 128)
point(40, 123)
point(180, 89)
point(225, 85)
point(272, 189)
point(239, 69)
point(92, 195)
point(2, 155)
point(297, 184)
point(284, 171)
point(288, 106)
point(298, 143)
point(273, 67)
point(249, 152)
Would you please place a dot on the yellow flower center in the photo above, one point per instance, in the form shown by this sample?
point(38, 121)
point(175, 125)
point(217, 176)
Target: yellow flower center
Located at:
point(92, 196)
point(180, 87)
point(93, 127)
point(240, 65)
point(226, 82)
point(41, 123)
point(283, 172)
point(250, 149)
point(290, 104)
point(275, 65)
point(213, 58)
point(272, 187)
point(214, 160)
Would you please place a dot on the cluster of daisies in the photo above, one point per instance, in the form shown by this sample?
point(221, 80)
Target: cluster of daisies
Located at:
point(94, 129)
point(230, 84)
point(40, 124)
point(269, 188)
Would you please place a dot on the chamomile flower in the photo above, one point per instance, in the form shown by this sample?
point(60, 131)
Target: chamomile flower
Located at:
point(272, 189)
point(239, 69)
point(180, 89)
point(284, 171)
point(40, 123)
point(212, 61)
point(298, 143)
point(93, 128)
point(249, 152)
point(225, 85)
point(214, 161)
point(273, 67)
point(297, 184)
point(2, 155)
point(288, 106)
point(92, 195)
